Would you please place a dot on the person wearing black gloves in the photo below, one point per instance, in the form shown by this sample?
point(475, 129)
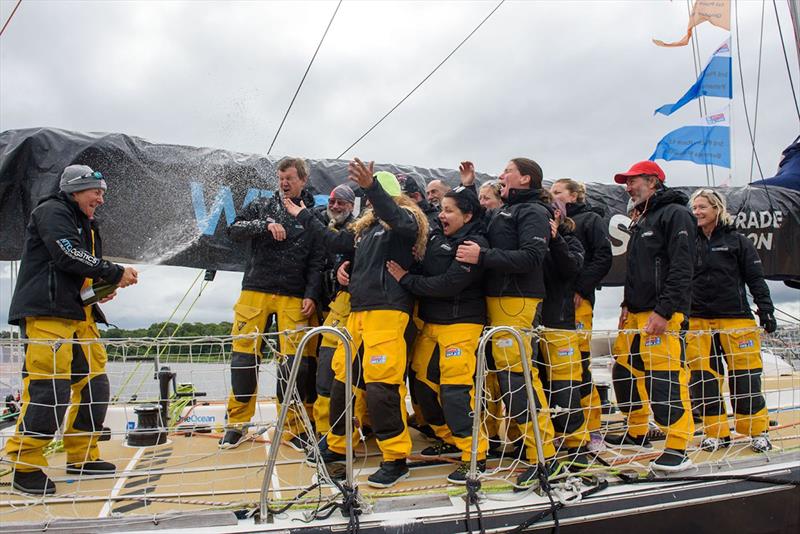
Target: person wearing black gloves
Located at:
point(592, 232)
point(61, 258)
point(283, 276)
point(453, 309)
point(722, 326)
point(657, 292)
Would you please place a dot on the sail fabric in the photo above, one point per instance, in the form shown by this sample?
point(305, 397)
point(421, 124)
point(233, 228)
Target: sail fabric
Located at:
point(707, 142)
point(717, 12)
point(715, 80)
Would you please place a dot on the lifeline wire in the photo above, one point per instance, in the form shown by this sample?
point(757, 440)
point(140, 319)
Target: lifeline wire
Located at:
point(304, 77)
point(423, 80)
point(786, 58)
point(9, 17)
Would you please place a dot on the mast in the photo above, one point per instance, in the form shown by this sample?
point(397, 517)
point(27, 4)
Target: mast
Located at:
point(794, 10)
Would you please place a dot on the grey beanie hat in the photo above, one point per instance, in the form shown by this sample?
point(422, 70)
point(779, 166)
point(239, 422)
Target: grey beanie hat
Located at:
point(79, 178)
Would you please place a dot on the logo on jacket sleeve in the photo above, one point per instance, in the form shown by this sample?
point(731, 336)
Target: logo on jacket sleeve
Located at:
point(452, 352)
point(378, 359)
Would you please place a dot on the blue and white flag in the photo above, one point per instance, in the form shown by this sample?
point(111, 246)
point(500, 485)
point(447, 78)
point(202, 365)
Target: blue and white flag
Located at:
point(707, 142)
point(715, 80)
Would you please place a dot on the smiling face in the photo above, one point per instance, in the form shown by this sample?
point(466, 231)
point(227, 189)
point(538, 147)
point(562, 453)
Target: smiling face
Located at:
point(489, 198)
point(640, 188)
point(706, 214)
point(89, 200)
point(290, 183)
point(452, 218)
point(560, 192)
point(511, 178)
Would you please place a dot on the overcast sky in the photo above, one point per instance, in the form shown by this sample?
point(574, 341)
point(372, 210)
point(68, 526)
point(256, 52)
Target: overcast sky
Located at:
point(570, 84)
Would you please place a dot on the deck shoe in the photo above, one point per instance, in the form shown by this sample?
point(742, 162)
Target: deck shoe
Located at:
point(627, 440)
point(328, 457)
point(298, 443)
point(531, 475)
point(596, 445)
point(714, 444)
point(761, 443)
point(389, 474)
point(578, 459)
point(441, 449)
point(232, 439)
point(459, 476)
point(98, 467)
point(33, 482)
point(671, 461)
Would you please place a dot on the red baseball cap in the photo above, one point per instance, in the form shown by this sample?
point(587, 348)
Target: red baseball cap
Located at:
point(647, 167)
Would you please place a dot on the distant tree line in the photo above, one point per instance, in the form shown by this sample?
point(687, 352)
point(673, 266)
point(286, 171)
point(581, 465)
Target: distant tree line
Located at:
point(171, 329)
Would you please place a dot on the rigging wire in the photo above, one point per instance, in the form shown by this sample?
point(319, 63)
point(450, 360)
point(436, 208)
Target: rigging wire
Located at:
point(786, 59)
point(423, 80)
point(328, 27)
point(696, 60)
point(744, 94)
point(9, 17)
point(758, 91)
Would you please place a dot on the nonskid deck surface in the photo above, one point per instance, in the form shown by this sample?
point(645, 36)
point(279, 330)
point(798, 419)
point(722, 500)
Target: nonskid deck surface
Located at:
point(190, 473)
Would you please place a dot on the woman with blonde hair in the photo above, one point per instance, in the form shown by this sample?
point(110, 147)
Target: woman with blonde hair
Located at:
point(393, 229)
point(592, 231)
point(721, 326)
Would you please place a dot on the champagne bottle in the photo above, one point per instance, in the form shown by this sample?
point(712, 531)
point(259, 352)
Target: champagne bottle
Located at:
point(97, 292)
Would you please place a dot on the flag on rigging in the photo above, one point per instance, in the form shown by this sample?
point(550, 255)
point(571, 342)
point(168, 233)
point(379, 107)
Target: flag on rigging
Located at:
point(706, 142)
point(715, 80)
point(717, 12)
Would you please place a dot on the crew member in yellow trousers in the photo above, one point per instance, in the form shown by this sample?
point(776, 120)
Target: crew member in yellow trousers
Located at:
point(656, 301)
point(518, 234)
point(394, 229)
point(453, 310)
point(722, 326)
point(62, 254)
point(559, 346)
point(283, 277)
point(592, 232)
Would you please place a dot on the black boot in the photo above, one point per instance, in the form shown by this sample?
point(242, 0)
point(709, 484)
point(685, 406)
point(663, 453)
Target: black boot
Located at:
point(98, 467)
point(33, 482)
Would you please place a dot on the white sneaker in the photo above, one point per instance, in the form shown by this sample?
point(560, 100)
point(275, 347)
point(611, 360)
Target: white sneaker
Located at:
point(714, 444)
point(761, 443)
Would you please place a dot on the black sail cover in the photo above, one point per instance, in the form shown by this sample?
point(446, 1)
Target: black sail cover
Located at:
point(170, 204)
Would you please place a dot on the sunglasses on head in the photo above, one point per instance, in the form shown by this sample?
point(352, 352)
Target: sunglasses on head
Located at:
point(97, 175)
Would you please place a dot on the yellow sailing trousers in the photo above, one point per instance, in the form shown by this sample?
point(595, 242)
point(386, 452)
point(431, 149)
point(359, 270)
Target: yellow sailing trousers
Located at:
point(518, 313)
point(251, 313)
point(665, 377)
point(561, 355)
point(737, 342)
point(443, 361)
point(378, 335)
point(57, 374)
point(336, 318)
point(590, 398)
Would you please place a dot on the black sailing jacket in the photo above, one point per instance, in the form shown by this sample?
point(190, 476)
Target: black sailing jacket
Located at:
point(290, 267)
point(561, 265)
point(56, 260)
point(724, 263)
point(593, 234)
point(333, 258)
point(518, 234)
point(661, 256)
point(450, 292)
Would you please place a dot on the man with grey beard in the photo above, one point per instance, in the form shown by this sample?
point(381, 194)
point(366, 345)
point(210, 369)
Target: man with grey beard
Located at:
point(335, 306)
